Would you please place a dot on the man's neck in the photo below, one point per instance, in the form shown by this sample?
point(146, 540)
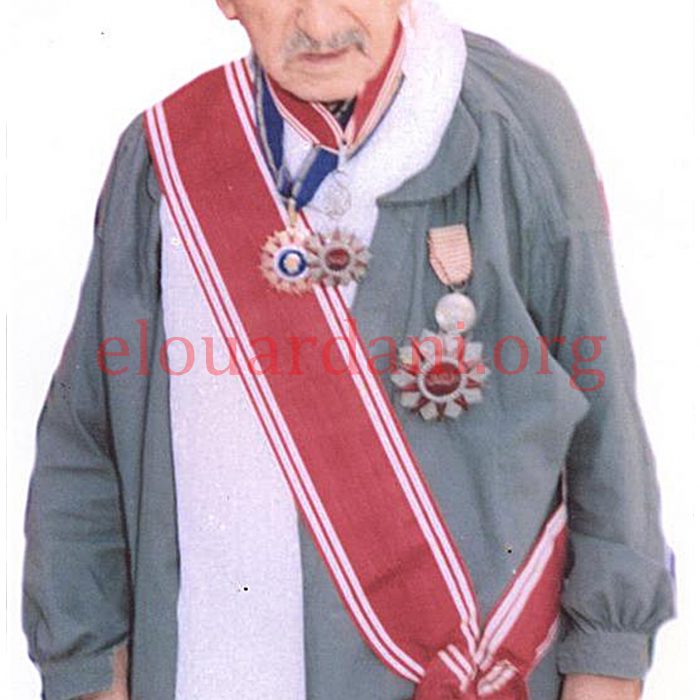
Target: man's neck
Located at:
point(341, 109)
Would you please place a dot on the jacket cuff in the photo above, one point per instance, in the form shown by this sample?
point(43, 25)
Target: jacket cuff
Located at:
point(616, 654)
point(73, 677)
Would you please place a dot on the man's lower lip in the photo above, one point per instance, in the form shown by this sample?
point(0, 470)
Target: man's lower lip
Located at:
point(321, 58)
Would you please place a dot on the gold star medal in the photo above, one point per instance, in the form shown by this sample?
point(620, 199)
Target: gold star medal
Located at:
point(285, 258)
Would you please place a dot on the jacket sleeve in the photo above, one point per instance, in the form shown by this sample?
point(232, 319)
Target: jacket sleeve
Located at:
point(76, 603)
point(620, 585)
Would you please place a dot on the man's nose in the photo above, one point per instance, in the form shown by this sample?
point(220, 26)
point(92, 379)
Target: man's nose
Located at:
point(320, 19)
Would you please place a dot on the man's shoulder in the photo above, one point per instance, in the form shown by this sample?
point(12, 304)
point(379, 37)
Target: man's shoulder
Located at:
point(497, 79)
point(132, 158)
point(539, 116)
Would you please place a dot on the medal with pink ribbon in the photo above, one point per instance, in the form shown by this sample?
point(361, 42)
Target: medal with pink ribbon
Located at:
point(441, 374)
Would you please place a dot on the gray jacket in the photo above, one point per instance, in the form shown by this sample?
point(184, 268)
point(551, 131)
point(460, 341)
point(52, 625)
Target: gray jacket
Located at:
point(101, 563)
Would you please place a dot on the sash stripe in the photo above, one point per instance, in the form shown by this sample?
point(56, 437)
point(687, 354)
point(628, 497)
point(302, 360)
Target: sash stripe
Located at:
point(509, 609)
point(497, 678)
point(461, 676)
point(461, 660)
point(544, 647)
point(379, 104)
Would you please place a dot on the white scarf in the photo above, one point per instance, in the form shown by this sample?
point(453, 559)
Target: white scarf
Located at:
point(240, 606)
point(409, 135)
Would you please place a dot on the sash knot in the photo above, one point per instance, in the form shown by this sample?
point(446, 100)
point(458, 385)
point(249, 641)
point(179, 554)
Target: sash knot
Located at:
point(453, 676)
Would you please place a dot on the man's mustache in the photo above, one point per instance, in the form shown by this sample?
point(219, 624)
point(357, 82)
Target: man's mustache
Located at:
point(301, 43)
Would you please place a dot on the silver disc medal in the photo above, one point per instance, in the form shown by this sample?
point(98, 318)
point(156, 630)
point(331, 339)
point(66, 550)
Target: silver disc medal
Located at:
point(455, 313)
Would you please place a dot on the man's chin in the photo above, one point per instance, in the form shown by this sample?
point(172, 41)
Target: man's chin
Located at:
point(324, 83)
point(323, 89)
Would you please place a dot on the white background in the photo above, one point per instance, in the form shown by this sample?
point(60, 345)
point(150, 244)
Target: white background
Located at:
point(77, 71)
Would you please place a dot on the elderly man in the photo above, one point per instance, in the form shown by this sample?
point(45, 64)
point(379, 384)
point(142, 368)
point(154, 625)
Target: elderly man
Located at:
point(347, 410)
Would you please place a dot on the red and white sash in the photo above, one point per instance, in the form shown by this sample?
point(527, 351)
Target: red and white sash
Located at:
point(335, 436)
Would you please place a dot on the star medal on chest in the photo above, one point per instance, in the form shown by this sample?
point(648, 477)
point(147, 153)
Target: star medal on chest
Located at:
point(441, 374)
point(285, 258)
point(295, 258)
point(292, 260)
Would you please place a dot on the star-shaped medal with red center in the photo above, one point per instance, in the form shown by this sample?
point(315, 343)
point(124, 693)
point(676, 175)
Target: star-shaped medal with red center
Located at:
point(337, 259)
point(440, 375)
